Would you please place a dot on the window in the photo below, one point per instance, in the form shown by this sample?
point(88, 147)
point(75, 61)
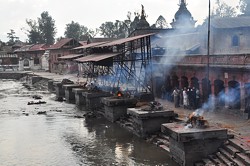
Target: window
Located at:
point(36, 61)
point(26, 63)
point(235, 40)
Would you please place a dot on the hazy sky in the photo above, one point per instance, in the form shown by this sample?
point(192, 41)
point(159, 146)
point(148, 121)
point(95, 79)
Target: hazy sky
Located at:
point(91, 13)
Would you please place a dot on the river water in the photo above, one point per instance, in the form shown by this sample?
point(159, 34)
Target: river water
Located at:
point(59, 138)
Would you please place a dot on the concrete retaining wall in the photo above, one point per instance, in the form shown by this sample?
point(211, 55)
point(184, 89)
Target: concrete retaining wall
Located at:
point(12, 75)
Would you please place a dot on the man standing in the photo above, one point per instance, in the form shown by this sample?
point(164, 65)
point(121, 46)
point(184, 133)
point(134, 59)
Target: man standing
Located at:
point(176, 97)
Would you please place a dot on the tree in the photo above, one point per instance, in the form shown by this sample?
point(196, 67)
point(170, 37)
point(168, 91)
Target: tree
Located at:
point(244, 6)
point(12, 37)
point(120, 29)
point(223, 10)
point(41, 31)
point(34, 34)
point(79, 32)
point(47, 28)
point(161, 23)
point(107, 29)
point(75, 30)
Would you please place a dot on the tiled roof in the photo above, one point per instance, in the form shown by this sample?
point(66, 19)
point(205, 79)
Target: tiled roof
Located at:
point(24, 48)
point(230, 22)
point(60, 43)
point(38, 47)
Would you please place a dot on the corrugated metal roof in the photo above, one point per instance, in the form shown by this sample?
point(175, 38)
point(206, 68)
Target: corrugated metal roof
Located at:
point(231, 22)
point(121, 41)
point(71, 56)
point(89, 45)
point(96, 57)
point(60, 43)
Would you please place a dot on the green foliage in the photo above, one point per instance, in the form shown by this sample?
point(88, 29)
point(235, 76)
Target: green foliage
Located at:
point(119, 29)
point(161, 23)
point(223, 10)
point(79, 32)
point(34, 34)
point(41, 31)
point(47, 28)
point(12, 37)
point(244, 6)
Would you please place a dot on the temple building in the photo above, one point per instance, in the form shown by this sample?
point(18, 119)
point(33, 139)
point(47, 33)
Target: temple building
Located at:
point(183, 18)
point(221, 74)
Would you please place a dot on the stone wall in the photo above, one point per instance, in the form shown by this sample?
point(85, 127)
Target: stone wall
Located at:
point(12, 75)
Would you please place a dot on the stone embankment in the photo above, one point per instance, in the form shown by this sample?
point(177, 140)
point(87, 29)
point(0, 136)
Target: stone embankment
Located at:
point(12, 75)
point(234, 152)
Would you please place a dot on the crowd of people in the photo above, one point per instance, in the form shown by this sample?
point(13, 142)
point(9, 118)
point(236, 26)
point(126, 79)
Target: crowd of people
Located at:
point(189, 97)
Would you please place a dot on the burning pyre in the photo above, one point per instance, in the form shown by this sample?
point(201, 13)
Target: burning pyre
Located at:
point(196, 121)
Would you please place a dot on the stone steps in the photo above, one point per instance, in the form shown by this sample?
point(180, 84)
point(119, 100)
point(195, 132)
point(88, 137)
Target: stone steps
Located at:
point(231, 158)
point(216, 160)
point(208, 162)
point(224, 159)
point(233, 153)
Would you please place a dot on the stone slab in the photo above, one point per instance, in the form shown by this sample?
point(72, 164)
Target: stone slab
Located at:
point(141, 114)
point(71, 86)
point(181, 133)
point(79, 90)
point(113, 101)
point(90, 94)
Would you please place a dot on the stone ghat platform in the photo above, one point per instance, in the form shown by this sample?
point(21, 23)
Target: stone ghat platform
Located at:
point(189, 145)
point(69, 94)
point(79, 99)
point(116, 107)
point(93, 99)
point(145, 123)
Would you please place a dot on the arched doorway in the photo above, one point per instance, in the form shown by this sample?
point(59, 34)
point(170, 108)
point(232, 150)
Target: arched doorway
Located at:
point(175, 81)
point(194, 83)
point(247, 99)
point(233, 95)
point(26, 63)
point(168, 87)
point(184, 82)
point(206, 89)
point(219, 92)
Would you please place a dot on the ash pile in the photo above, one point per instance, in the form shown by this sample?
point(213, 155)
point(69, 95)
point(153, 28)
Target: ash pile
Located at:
point(195, 120)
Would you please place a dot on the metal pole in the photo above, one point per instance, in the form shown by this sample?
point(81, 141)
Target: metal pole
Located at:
point(208, 45)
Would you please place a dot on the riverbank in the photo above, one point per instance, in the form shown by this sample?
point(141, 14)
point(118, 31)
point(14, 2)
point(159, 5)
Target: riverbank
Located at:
point(220, 118)
point(61, 137)
point(234, 124)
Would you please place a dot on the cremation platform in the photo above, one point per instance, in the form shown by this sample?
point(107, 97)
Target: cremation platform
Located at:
point(145, 123)
point(79, 99)
point(51, 86)
point(69, 94)
point(116, 107)
point(93, 99)
point(188, 145)
point(60, 93)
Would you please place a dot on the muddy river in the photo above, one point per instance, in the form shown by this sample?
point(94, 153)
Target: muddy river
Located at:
point(60, 138)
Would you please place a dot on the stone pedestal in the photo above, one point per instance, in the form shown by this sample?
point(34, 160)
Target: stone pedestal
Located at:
point(116, 107)
point(60, 92)
point(188, 145)
point(51, 86)
point(69, 94)
point(144, 97)
point(80, 100)
point(93, 99)
point(146, 123)
point(35, 79)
